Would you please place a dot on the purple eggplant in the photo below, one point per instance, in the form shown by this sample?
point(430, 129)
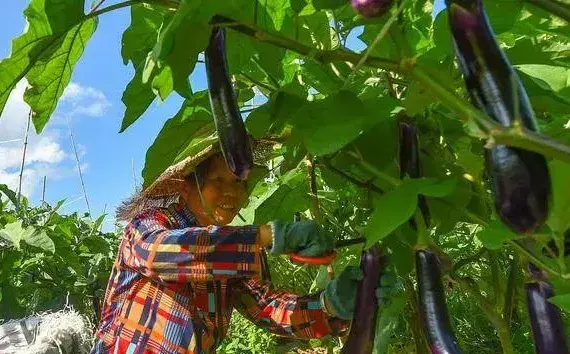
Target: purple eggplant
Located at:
point(520, 179)
point(234, 141)
point(546, 323)
point(409, 157)
point(433, 310)
point(363, 329)
point(372, 8)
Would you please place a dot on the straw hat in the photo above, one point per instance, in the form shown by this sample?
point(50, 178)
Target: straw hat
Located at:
point(164, 190)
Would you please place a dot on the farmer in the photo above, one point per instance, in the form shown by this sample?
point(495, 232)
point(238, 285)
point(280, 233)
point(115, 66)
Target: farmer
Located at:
point(180, 271)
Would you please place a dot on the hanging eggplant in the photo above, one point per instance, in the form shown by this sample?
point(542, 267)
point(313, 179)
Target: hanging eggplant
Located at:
point(371, 8)
point(546, 323)
point(363, 329)
point(234, 141)
point(409, 157)
point(433, 310)
point(519, 178)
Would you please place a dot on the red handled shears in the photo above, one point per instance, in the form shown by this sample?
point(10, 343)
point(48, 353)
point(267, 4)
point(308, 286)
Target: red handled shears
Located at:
point(325, 259)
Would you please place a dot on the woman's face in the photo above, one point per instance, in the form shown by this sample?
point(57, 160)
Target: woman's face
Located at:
point(223, 193)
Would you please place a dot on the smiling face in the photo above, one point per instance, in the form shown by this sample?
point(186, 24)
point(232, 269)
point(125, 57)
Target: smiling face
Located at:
point(223, 193)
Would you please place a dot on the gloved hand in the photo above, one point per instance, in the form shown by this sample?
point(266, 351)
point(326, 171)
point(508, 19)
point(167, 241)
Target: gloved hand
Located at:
point(304, 237)
point(339, 295)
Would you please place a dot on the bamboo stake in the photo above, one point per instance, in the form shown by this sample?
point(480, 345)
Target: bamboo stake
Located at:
point(78, 167)
point(24, 157)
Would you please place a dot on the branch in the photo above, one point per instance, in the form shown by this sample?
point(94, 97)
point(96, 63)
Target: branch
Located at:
point(497, 134)
point(368, 185)
point(555, 7)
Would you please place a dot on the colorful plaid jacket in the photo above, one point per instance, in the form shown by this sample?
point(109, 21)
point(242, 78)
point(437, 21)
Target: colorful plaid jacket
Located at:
point(174, 285)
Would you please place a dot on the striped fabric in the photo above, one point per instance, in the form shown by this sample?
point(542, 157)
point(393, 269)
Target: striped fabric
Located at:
point(174, 285)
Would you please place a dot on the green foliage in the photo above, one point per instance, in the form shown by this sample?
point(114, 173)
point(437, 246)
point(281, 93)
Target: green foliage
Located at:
point(337, 109)
point(48, 260)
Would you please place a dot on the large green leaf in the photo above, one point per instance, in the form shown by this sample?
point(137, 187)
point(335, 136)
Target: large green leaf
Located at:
point(15, 233)
point(328, 125)
point(555, 78)
point(273, 115)
point(40, 240)
point(138, 40)
point(192, 122)
point(495, 234)
point(397, 206)
point(54, 26)
point(173, 57)
point(291, 196)
point(562, 301)
point(9, 193)
point(50, 75)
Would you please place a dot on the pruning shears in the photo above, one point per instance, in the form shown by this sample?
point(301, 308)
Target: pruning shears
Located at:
point(325, 259)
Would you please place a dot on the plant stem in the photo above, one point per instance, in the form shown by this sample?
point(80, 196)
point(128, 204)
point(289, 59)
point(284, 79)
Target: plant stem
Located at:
point(493, 259)
point(24, 158)
point(374, 171)
point(495, 133)
point(368, 185)
point(511, 290)
point(557, 8)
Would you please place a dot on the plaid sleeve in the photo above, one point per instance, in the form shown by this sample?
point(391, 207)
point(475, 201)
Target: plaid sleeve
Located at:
point(284, 313)
point(156, 248)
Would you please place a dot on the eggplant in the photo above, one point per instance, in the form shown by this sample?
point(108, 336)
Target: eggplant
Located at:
point(234, 141)
point(546, 323)
point(433, 310)
point(363, 329)
point(372, 8)
point(519, 178)
point(409, 157)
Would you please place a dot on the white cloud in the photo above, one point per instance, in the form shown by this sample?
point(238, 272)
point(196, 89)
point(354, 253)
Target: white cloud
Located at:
point(49, 154)
point(84, 101)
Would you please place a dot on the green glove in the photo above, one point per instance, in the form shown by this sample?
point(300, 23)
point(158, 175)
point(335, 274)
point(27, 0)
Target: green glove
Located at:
point(339, 295)
point(304, 237)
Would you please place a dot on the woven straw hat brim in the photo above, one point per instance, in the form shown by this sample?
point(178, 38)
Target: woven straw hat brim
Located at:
point(166, 187)
point(168, 183)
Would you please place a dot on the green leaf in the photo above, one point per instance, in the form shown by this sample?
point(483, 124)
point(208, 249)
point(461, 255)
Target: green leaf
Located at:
point(559, 218)
point(291, 196)
point(432, 187)
point(192, 123)
point(52, 26)
point(555, 78)
point(40, 240)
point(137, 97)
point(9, 193)
point(48, 78)
point(273, 115)
point(173, 50)
point(139, 39)
point(387, 323)
point(14, 233)
point(562, 301)
point(392, 210)
point(495, 234)
point(328, 125)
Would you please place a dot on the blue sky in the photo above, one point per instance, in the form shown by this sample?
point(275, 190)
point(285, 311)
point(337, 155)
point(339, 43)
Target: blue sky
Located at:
point(111, 162)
